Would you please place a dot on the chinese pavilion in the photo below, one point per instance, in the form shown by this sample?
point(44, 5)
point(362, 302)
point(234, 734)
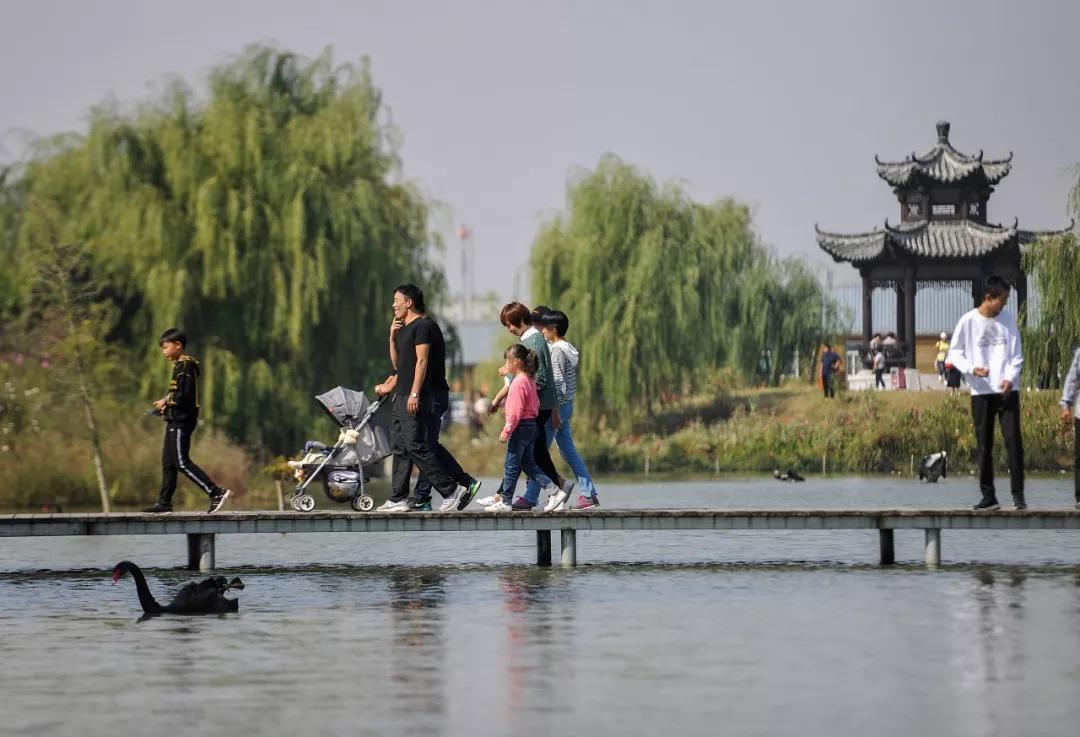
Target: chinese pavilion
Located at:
point(942, 237)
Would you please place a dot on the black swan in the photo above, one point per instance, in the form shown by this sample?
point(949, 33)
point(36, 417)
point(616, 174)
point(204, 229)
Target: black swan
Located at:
point(788, 475)
point(933, 467)
point(202, 597)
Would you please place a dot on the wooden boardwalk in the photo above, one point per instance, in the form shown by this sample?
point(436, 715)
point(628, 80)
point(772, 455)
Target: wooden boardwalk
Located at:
point(202, 528)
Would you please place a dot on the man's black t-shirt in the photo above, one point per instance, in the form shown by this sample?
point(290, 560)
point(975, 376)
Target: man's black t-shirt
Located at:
point(421, 331)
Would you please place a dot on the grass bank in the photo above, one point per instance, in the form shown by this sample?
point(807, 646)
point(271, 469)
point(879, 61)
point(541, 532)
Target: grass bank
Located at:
point(794, 427)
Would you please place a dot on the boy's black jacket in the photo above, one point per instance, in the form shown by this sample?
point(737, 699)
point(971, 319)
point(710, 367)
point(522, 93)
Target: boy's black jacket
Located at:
point(182, 402)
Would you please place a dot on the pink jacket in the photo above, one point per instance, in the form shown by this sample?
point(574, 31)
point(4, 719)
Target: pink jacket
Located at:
point(522, 402)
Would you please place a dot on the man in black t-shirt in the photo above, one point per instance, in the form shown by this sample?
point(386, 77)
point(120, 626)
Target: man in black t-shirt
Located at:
point(421, 398)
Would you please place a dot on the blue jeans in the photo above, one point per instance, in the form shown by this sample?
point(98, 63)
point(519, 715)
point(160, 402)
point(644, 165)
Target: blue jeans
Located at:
point(519, 457)
point(564, 438)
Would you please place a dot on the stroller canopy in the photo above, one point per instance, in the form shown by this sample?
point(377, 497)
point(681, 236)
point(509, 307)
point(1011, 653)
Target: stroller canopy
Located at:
point(344, 405)
point(348, 408)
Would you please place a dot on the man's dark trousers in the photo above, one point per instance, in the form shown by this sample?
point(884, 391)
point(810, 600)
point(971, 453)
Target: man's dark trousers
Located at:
point(985, 408)
point(440, 403)
point(828, 383)
point(541, 450)
point(174, 458)
point(410, 445)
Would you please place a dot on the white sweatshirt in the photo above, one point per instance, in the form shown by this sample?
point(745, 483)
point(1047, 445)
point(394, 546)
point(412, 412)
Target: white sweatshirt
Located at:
point(989, 342)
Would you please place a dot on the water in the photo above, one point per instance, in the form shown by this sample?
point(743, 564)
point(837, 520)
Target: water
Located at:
point(745, 633)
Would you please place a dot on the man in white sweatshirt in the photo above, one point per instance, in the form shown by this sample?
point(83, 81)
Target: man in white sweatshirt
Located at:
point(986, 349)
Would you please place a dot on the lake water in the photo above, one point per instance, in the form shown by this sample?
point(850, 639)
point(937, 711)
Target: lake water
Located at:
point(735, 633)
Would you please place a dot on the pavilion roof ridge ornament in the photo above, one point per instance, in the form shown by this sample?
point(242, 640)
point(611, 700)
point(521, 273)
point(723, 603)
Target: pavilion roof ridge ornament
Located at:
point(943, 163)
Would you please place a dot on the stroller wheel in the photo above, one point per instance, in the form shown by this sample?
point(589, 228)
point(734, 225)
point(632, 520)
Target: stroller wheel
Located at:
point(306, 503)
point(363, 503)
point(295, 502)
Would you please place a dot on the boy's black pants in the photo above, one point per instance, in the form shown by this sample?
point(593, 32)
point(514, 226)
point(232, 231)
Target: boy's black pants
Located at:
point(985, 408)
point(174, 458)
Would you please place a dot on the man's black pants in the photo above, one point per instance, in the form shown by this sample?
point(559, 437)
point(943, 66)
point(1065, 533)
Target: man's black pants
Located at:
point(879, 378)
point(1006, 409)
point(829, 385)
point(410, 444)
point(440, 403)
point(174, 458)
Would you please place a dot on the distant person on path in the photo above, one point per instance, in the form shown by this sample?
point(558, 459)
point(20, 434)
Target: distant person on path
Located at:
point(952, 378)
point(875, 343)
point(830, 363)
point(520, 431)
point(942, 348)
point(180, 409)
point(890, 339)
point(1070, 413)
point(564, 364)
point(986, 349)
point(420, 397)
point(879, 369)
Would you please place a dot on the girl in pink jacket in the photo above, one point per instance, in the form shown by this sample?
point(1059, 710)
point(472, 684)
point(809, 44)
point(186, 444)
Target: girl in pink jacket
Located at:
point(522, 406)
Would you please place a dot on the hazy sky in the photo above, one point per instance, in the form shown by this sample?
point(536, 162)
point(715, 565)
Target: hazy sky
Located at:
point(782, 105)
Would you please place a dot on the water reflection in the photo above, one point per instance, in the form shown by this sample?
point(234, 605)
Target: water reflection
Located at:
point(539, 606)
point(418, 662)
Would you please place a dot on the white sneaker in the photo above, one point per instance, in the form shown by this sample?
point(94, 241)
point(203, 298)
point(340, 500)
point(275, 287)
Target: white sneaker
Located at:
point(556, 498)
point(487, 501)
point(499, 506)
point(449, 503)
point(402, 506)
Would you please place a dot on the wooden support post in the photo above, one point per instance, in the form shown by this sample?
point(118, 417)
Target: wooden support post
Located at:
point(933, 548)
point(569, 548)
point(200, 551)
point(543, 547)
point(867, 309)
point(888, 550)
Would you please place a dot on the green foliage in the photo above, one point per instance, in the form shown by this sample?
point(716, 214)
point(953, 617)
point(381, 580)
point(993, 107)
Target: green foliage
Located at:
point(269, 221)
point(1051, 337)
point(662, 290)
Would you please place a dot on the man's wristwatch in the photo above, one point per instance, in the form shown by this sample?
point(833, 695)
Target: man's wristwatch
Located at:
point(414, 395)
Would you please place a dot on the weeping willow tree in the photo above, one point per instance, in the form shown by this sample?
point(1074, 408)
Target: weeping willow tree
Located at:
point(662, 290)
point(1052, 332)
point(267, 219)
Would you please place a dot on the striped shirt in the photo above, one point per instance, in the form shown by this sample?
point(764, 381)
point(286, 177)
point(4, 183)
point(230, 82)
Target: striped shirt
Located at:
point(564, 363)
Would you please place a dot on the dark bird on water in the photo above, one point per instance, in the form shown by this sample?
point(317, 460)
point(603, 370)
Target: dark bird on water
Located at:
point(196, 597)
point(788, 475)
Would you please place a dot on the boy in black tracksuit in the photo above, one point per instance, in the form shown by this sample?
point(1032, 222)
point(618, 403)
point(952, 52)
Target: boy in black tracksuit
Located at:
point(180, 408)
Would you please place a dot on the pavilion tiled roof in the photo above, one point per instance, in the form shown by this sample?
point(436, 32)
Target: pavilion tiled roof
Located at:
point(943, 163)
point(929, 239)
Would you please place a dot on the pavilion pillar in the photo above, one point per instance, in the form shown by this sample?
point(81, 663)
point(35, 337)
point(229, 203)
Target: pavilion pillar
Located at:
point(867, 308)
point(900, 321)
point(909, 315)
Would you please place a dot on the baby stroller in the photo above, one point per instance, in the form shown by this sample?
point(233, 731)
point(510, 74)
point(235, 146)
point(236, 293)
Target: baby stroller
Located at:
point(364, 439)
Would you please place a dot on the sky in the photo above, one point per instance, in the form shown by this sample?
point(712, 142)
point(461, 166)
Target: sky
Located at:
point(782, 105)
